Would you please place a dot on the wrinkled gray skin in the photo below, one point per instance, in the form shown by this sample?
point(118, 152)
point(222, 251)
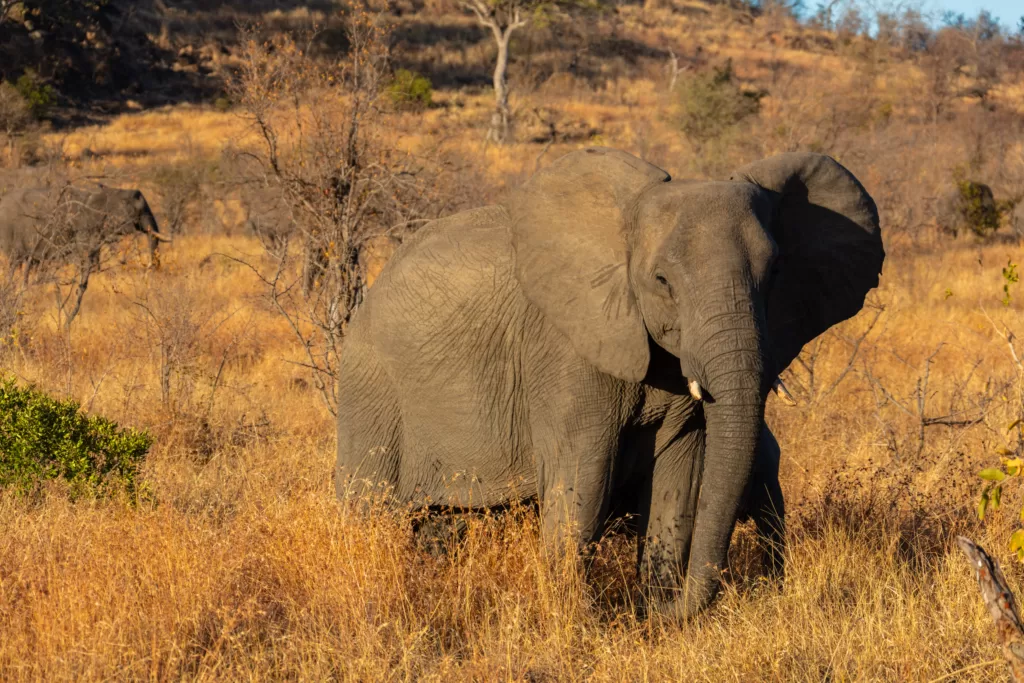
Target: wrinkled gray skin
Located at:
point(542, 349)
point(38, 224)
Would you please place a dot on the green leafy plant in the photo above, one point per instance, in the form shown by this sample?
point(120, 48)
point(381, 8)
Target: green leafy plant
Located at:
point(712, 104)
point(992, 494)
point(1010, 277)
point(42, 438)
point(980, 212)
point(39, 96)
point(410, 90)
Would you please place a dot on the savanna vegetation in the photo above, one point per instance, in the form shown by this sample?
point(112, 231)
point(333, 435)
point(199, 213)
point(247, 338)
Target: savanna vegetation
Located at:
point(288, 147)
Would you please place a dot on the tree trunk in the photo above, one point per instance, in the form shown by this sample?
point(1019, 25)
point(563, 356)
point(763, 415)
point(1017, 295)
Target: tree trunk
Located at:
point(500, 121)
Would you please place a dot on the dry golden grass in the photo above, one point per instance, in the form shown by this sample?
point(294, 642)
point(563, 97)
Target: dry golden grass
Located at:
point(270, 579)
point(244, 567)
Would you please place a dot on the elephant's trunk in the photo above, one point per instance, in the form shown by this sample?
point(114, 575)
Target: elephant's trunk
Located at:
point(147, 224)
point(733, 375)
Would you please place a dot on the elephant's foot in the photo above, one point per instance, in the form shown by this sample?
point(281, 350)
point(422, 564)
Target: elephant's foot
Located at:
point(681, 604)
point(672, 594)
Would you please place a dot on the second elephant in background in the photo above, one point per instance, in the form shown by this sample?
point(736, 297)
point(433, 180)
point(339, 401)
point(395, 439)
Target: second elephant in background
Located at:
point(52, 225)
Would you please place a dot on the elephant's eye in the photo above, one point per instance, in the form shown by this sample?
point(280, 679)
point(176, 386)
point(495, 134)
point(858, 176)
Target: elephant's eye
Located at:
point(663, 282)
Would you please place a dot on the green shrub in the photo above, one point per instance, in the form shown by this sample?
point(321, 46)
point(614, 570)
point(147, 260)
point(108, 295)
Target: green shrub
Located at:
point(42, 438)
point(978, 208)
point(39, 96)
point(712, 104)
point(410, 90)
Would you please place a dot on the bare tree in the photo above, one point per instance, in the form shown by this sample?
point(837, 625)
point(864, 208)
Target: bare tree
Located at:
point(322, 147)
point(179, 324)
point(503, 18)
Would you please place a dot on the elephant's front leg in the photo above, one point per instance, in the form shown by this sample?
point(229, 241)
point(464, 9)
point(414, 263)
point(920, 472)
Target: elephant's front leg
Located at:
point(575, 458)
point(671, 508)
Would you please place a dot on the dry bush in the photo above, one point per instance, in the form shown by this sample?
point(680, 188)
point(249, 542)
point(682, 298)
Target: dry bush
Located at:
point(340, 181)
point(180, 188)
point(192, 340)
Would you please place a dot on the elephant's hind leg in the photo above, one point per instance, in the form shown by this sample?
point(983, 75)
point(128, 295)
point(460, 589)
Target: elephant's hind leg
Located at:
point(369, 428)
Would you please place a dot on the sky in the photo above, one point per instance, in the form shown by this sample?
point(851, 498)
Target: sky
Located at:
point(1008, 11)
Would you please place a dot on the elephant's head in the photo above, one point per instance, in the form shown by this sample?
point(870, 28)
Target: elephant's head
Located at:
point(142, 219)
point(732, 277)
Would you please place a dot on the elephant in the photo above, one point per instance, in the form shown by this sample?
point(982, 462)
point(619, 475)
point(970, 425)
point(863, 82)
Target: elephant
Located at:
point(39, 224)
point(603, 342)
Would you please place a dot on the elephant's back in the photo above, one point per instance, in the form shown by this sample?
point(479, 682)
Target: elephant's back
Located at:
point(21, 210)
point(439, 272)
point(455, 238)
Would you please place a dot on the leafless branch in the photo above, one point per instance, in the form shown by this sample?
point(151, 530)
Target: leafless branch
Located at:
point(808, 361)
point(959, 414)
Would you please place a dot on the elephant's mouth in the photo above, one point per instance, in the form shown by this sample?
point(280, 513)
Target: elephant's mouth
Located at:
point(777, 386)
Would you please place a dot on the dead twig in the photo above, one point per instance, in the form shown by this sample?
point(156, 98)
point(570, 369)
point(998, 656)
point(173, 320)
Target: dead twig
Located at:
point(1001, 604)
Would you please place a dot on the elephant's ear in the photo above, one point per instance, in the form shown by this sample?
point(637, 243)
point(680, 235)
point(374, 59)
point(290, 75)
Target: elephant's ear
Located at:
point(568, 228)
point(830, 247)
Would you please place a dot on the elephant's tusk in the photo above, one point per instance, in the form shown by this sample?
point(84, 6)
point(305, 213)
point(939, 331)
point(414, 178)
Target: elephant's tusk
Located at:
point(158, 237)
point(695, 390)
point(780, 390)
